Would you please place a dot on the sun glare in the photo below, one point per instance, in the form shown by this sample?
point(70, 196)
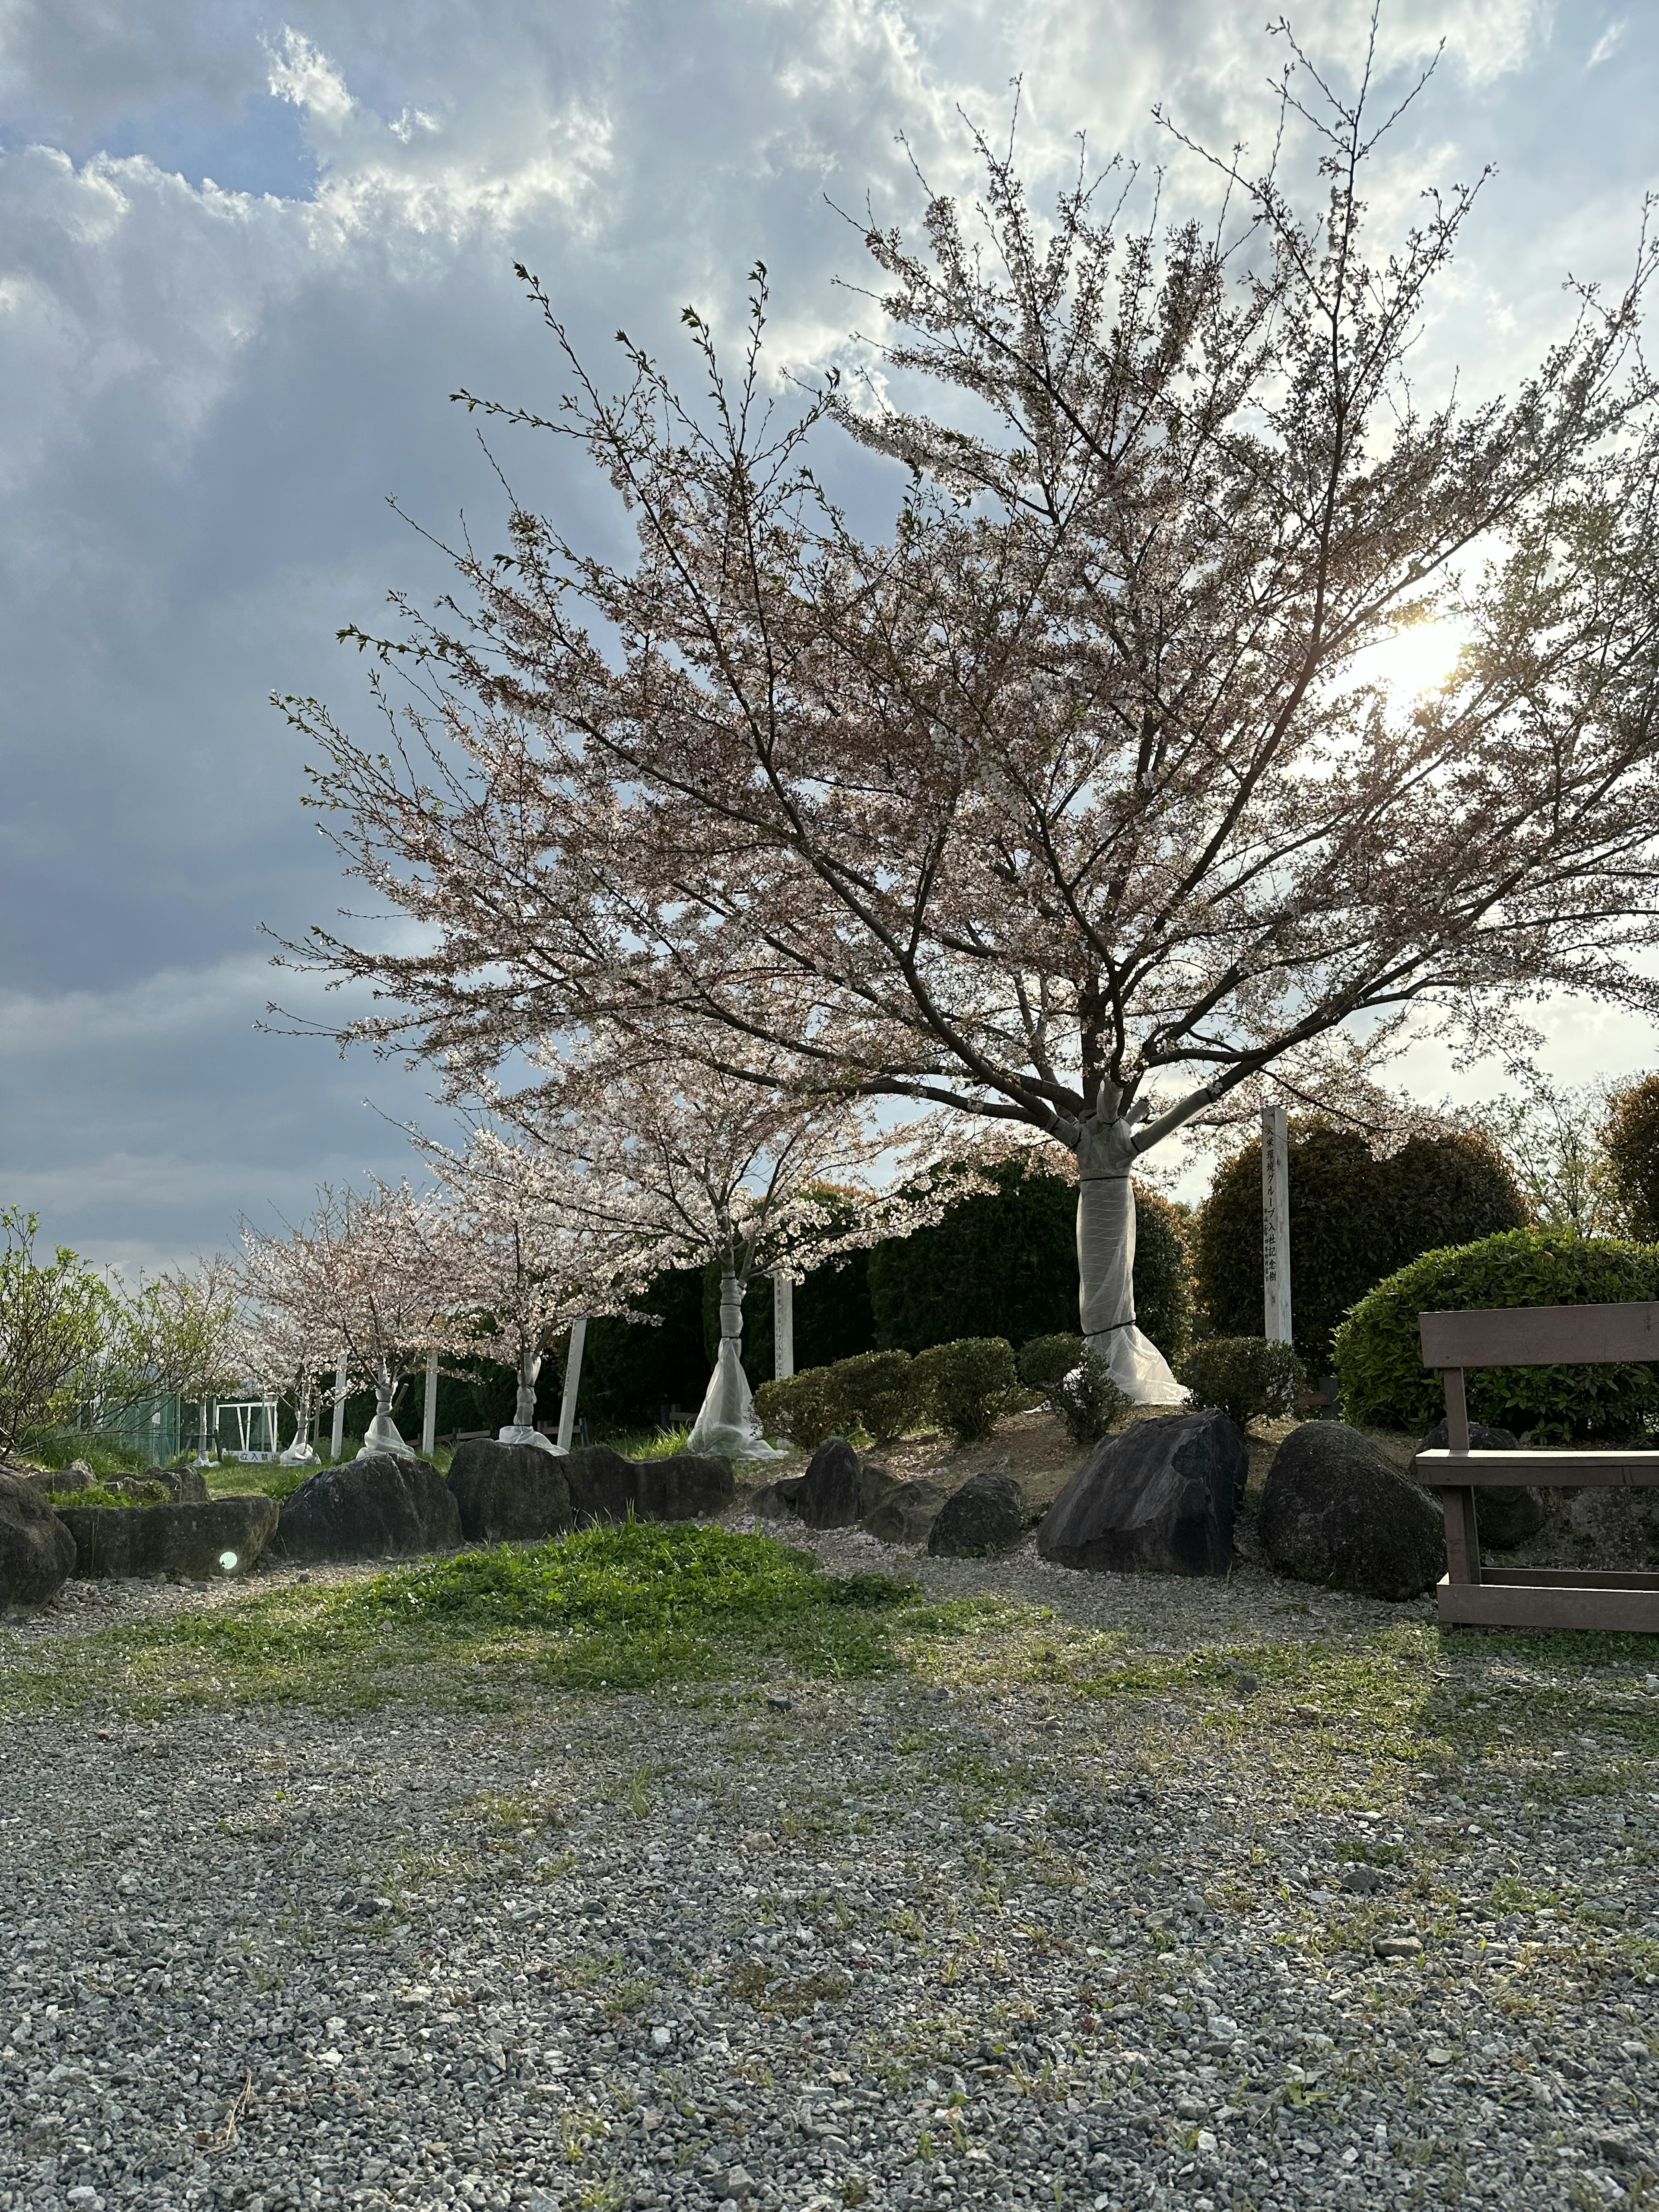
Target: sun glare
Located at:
point(1415, 659)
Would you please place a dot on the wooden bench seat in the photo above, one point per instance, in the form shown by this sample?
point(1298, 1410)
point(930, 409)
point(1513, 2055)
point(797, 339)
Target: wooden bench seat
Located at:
point(1474, 1595)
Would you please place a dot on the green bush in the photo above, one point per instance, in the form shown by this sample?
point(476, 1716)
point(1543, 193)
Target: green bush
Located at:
point(1630, 1147)
point(1004, 1263)
point(1046, 1360)
point(877, 1391)
point(1245, 1375)
point(967, 1384)
point(800, 1408)
point(1354, 1219)
point(1379, 1351)
point(1086, 1398)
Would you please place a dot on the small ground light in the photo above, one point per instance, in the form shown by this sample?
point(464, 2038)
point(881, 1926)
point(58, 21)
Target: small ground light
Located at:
point(227, 1561)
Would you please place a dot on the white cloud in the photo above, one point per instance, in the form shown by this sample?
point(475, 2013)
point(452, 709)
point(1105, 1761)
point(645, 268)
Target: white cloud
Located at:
point(1607, 45)
point(301, 74)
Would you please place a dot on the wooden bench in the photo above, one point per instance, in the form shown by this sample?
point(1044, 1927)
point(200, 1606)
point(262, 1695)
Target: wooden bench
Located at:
point(1534, 1336)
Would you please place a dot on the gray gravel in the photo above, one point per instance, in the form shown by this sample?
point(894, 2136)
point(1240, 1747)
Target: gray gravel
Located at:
point(861, 1944)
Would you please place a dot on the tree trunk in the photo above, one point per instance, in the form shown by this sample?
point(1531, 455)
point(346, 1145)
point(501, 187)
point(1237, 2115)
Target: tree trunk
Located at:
point(383, 1436)
point(299, 1453)
point(726, 1422)
point(522, 1430)
point(1106, 1259)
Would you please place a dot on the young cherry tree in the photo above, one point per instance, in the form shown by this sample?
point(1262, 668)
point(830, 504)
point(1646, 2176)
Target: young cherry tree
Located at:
point(531, 1253)
point(284, 1345)
point(690, 1165)
point(1076, 799)
point(366, 1277)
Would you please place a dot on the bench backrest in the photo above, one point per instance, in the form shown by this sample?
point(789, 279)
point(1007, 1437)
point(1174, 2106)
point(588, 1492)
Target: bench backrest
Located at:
point(1541, 1336)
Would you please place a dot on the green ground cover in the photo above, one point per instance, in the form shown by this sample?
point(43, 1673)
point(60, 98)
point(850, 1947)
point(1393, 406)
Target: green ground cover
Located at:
point(1351, 1718)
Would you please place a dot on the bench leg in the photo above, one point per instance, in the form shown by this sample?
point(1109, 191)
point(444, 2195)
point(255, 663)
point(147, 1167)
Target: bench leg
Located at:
point(1463, 1536)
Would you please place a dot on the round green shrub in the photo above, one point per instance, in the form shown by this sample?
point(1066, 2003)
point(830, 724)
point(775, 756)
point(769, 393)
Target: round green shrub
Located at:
point(800, 1408)
point(1245, 1375)
point(1046, 1360)
point(875, 1391)
point(1087, 1400)
point(1379, 1350)
point(1354, 1219)
point(967, 1384)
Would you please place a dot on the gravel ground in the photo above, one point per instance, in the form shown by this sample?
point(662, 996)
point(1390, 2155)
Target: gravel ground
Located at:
point(877, 1943)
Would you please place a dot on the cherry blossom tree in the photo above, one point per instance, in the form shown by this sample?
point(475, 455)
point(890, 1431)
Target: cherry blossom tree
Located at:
point(366, 1276)
point(1075, 800)
point(534, 1244)
point(691, 1163)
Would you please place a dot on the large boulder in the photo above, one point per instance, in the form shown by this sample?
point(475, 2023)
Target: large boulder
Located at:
point(37, 1551)
point(386, 1507)
point(604, 1485)
point(1335, 1510)
point(905, 1514)
point(686, 1487)
point(1159, 1497)
point(509, 1494)
point(779, 1500)
point(682, 1486)
point(1508, 1513)
point(157, 1543)
point(987, 1514)
point(830, 1493)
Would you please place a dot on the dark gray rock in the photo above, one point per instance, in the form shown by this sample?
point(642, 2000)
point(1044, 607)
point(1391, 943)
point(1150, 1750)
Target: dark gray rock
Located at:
point(53, 1481)
point(604, 1485)
point(686, 1487)
point(385, 1507)
point(1335, 1512)
point(682, 1486)
point(780, 1500)
point(36, 1550)
point(153, 1543)
point(873, 1484)
point(829, 1496)
point(987, 1514)
point(905, 1514)
point(1159, 1497)
point(1509, 1513)
point(509, 1494)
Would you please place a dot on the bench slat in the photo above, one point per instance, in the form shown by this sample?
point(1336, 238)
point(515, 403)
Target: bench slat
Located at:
point(1541, 1336)
point(1552, 1470)
point(1500, 1601)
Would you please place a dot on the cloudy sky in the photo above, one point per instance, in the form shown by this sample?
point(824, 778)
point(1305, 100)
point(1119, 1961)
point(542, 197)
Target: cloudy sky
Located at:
point(246, 251)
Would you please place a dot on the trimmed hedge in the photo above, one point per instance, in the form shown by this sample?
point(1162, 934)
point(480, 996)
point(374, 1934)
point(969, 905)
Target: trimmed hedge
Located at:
point(1245, 1375)
point(1005, 1264)
point(1379, 1354)
point(963, 1386)
point(967, 1384)
point(1354, 1220)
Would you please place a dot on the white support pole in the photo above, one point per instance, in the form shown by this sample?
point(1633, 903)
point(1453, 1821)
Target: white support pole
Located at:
point(429, 1413)
point(339, 1413)
point(783, 1325)
point(572, 1377)
point(1275, 1226)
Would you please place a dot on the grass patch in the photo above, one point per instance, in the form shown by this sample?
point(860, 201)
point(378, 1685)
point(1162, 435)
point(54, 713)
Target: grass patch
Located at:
point(625, 1608)
point(99, 1493)
point(100, 1454)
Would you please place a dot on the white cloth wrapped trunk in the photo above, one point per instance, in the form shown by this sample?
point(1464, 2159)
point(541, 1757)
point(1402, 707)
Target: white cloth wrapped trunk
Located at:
point(1105, 1266)
point(299, 1452)
point(726, 1422)
point(522, 1430)
point(383, 1436)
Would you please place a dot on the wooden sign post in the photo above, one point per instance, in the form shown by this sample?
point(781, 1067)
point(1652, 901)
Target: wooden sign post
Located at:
point(1275, 1227)
point(783, 1325)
